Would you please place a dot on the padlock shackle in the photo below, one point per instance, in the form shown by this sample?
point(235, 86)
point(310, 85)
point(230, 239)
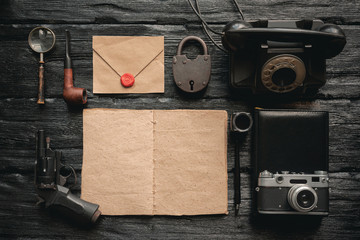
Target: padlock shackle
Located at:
point(194, 38)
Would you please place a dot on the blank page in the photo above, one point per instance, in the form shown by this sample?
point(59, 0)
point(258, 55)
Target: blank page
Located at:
point(190, 173)
point(117, 170)
point(155, 162)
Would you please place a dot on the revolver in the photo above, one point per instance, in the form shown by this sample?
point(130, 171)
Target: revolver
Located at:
point(50, 178)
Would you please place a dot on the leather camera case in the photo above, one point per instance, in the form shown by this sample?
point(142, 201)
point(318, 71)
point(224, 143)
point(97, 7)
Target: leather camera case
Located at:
point(288, 140)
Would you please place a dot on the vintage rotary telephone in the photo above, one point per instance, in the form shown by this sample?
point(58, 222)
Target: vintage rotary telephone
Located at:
point(281, 56)
point(278, 56)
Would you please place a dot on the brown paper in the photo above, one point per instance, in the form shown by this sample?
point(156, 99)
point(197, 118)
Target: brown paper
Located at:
point(143, 57)
point(155, 162)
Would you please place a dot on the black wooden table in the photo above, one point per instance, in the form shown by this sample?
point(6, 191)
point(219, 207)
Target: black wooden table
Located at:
point(20, 116)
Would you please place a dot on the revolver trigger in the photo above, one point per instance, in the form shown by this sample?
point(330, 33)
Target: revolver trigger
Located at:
point(65, 172)
point(63, 180)
point(75, 177)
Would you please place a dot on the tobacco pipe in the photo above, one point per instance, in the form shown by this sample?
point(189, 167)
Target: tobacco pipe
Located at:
point(72, 95)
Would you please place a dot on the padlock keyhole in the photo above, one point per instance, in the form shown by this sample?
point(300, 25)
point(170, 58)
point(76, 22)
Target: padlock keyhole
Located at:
point(191, 85)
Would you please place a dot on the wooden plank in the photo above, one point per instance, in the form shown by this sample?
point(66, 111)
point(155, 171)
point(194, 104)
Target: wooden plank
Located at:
point(177, 12)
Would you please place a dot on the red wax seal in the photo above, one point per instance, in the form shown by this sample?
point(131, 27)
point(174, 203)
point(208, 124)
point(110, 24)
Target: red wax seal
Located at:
point(127, 80)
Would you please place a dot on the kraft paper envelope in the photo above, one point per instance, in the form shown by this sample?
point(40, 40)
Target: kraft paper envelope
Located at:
point(143, 57)
point(155, 162)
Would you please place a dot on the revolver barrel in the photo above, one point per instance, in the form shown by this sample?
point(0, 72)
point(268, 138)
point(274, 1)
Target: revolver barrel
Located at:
point(46, 162)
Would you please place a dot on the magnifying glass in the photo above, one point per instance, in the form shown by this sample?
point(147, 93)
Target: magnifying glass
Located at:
point(41, 40)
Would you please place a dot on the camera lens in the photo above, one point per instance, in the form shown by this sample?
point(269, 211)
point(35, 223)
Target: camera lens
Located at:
point(305, 199)
point(302, 198)
point(284, 77)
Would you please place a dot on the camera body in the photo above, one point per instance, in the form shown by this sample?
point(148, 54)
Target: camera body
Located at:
point(293, 193)
point(280, 56)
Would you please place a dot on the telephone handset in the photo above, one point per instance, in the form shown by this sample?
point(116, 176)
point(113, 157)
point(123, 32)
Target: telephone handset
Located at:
point(326, 39)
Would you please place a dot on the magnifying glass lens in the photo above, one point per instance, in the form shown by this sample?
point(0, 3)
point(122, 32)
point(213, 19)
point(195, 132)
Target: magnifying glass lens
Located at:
point(41, 40)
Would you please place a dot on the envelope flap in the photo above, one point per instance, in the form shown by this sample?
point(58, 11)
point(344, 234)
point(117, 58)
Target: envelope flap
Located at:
point(127, 54)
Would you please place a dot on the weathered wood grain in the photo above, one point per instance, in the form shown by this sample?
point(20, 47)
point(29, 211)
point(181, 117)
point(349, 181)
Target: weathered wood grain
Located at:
point(20, 116)
point(173, 11)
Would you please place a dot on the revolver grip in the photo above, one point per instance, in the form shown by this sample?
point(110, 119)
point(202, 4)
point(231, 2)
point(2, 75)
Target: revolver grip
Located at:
point(73, 207)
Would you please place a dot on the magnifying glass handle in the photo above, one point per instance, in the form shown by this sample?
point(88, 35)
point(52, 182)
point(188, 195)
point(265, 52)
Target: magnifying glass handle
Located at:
point(41, 99)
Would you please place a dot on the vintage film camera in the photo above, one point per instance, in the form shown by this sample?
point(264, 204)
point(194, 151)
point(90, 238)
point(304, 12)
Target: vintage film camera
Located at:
point(293, 193)
point(280, 56)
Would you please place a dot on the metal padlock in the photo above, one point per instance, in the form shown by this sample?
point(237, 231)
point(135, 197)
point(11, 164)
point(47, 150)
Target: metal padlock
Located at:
point(192, 75)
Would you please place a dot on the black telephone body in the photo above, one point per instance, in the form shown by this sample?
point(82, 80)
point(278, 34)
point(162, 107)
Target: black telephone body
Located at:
point(280, 56)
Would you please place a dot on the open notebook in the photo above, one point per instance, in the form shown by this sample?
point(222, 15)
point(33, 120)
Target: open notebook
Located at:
point(155, 162)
